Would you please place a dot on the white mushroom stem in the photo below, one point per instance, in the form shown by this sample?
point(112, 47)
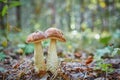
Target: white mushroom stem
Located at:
point(39, 58)
point(52, 59)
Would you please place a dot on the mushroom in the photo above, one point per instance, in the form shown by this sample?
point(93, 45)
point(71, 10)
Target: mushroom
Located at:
point(52, 58)
point(36, 38)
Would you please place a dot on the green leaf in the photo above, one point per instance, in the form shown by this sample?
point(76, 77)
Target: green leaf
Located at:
point(115, 51)
point(5, 9)
point(102, 52)
point(105, 40)
point(2, 56)
point(14, 4)
point(110, 70)
point(105, 67)
point(29, 49)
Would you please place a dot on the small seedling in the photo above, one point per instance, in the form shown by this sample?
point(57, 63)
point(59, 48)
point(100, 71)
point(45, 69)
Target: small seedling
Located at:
point(107, 68)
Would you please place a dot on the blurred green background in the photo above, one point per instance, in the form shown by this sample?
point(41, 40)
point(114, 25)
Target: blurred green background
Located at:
point(88, 25)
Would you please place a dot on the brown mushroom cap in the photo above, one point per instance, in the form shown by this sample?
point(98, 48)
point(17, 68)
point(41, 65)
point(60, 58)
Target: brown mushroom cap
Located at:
point(36, 37)
point(54, 33)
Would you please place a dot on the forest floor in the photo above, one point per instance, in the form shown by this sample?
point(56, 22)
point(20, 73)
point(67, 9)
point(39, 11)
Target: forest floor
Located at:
point(72, 67)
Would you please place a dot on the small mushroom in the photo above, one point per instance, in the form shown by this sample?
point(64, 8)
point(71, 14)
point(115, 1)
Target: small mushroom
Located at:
point(36, 38)
point(52, 60)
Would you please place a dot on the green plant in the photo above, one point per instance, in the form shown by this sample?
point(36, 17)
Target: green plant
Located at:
point(100, 64)
point(2, 56)
point(109, 51)
point(11, 4)
point(27, 48)
point(106, 67)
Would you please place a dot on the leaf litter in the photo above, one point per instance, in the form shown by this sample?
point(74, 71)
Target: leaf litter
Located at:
point(23, 69)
